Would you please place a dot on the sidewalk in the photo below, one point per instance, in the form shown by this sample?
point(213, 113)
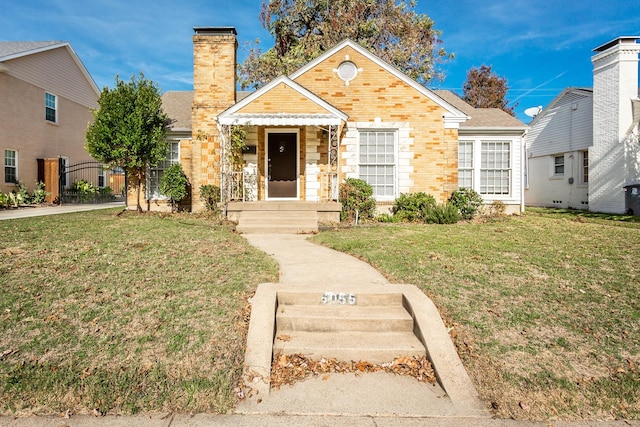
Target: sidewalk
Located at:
point(32, 211)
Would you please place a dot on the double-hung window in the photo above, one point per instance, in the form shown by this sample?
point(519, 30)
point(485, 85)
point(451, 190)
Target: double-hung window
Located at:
point(558, 165)
point(50, 108)
point(465, 164)
point(10, 166)
point(156, 172)
point(377, 162)
point(495, 167)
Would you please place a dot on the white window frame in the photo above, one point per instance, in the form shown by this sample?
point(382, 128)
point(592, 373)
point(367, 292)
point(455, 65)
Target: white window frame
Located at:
point(555, 164)
point(13, 166)
point(48, 107)
point(155, 173)
point(468, 158)
point(393, 164)
point(493, 171)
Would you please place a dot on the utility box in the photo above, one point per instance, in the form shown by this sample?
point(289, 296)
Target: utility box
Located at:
point(632, 199)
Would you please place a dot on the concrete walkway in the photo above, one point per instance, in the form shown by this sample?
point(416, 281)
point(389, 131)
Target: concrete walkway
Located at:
point(32, 211)
point(305, 266)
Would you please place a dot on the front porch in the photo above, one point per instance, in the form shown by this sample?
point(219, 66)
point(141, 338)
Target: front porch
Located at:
point(282, 216)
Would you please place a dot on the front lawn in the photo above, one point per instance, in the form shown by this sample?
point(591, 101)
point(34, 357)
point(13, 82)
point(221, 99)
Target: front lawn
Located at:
point(121, 314)
point(544, 308)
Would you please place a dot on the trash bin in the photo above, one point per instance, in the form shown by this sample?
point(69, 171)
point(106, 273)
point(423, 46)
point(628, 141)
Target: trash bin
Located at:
point(632, 199)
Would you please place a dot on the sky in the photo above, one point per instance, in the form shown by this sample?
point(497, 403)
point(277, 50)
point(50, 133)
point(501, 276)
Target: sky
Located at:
point(539, 46)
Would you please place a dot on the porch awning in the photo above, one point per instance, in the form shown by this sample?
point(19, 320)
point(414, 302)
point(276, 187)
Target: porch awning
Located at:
point(281, 119)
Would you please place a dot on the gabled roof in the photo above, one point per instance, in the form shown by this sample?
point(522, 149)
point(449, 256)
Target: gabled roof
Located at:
point(481, 118)
point(232, 115)
point(453, 114)
point(17, 49)
point(583, 92)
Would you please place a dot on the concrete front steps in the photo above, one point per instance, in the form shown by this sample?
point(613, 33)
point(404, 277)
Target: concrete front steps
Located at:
point(375, 328)
point(386, 321)
point(292, 217)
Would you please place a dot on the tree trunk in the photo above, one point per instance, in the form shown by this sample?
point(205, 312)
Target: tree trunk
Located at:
point(139, 190)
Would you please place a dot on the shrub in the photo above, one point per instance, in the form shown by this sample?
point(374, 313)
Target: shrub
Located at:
point(442, 214)
point(467, 201)
point(39, 194)
point(356, 195)
point(3, 200)
point(210, 195)
point(84, 187)
point(385, 217)
point(173, 184)
point(412, 207)
point(498, 208)
point(22, 194)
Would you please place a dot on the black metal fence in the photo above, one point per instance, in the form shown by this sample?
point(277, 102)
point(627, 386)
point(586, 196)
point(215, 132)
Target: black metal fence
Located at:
point(90, 182)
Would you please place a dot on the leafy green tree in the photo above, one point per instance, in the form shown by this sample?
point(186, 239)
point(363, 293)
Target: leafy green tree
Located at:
point(303, 29)
point(485, 89)
point(173, 184)
point(129, 128)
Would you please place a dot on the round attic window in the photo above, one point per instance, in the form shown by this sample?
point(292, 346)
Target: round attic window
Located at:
point(347, 71)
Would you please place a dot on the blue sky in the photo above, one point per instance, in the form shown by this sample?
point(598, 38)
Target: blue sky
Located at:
point(539, 46)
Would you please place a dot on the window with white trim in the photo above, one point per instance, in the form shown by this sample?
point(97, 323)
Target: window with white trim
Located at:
point(156, 172)
point(495, 167)
point(10, 166)
point(558, 165)
point(377, 162)
point(465, 164)
point(50, 107)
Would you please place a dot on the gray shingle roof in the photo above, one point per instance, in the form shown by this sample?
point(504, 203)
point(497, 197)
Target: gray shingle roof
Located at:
point(12, 49)
point(177, 105)
point(480, 117)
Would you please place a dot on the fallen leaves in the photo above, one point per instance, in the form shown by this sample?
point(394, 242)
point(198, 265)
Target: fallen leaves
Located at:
point(288, 369)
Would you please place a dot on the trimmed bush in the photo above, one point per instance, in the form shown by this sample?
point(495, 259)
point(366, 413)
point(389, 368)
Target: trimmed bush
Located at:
point(412, 207)
point(357, 195)
point(173, 184)
point(467, 201)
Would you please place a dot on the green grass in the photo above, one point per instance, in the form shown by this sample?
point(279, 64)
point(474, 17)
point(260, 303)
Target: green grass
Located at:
point(123, 313)
point(543, 307)
point(148, 312)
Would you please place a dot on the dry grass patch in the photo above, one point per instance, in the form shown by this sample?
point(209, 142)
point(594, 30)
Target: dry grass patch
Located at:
point(123, 313)
point(543, 308)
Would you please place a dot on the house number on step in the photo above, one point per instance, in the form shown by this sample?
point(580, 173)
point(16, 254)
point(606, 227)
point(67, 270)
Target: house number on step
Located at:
point(338, 298)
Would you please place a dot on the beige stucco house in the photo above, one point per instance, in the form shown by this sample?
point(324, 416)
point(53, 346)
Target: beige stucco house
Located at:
point(345, 114)
point(46, 95)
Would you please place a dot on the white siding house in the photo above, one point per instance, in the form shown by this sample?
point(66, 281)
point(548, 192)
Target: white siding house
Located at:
point(557, 152)
point(582, 149)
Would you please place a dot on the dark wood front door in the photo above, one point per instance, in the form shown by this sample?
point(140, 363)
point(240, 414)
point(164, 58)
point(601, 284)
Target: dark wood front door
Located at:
point(282, 165)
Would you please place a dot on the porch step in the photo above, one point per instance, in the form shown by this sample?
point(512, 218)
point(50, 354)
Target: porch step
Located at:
point(376, 329)
point(277, 221)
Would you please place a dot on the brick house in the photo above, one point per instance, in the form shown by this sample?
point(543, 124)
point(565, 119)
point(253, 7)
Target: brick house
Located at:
point(46, 95)
point(345, 114)
point(583, 150)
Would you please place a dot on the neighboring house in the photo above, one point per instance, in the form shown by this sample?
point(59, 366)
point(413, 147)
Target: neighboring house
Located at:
point(491, 153)
point(46, 95)
point(583, 150)
point(345, 114)
point(558, 151)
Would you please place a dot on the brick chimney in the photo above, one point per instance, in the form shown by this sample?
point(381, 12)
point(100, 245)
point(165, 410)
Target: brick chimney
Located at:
point(214, 90)
point(615, 84)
